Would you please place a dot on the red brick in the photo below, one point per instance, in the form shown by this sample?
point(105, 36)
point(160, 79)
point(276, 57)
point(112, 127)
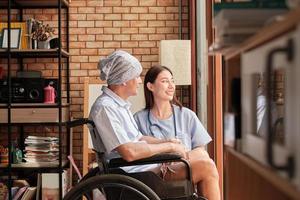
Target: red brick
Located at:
point(120, 23)
point(172, 10)
point(155, 51)
point(129, 44)
point(165, 30)
point(150, 58)
point(77, 16)
point(112, 17)
point(148, 3)
point(111, 44)
point(103, 37)
point(171, 23)
point(86, 38)
point(130, 2)
point(165, 16)
point(139, 10)
point(165, 2)
point(103, 10)
point(88, 66)
point(77, 44)
point(130, 16)
point(95, 16)
point(94, 73)
point(86, 24)
point(78, 3)
point(94, 44)
point(156, 23)
point(103, 24)
point(112, 31)
point(94, 59)
point(157, 9)
point(121, 37)
point(112, 2)
point(94, 30)
point(86, 10)
point(141, 51)
point(171, 36)
point(74, 52)
point(95, 3)
point(138, 23)
point(79, 59)
point(88, 52)
point(77, 31)
point(157, 37)
point(130, 30)
point(73, 38)
point(147, 30)
point(147, 44)
point(121, 9)
point(139, 37)
point(147, 16)
point(78, 72)
point(105, 52)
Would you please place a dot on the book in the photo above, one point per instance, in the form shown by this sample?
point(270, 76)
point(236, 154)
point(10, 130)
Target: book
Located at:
point(20, 193)
point(29, 194)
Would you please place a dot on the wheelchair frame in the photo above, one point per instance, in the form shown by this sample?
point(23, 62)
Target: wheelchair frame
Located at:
point(108, 175)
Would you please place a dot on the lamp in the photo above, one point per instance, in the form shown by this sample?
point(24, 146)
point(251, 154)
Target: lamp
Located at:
point(176, 55)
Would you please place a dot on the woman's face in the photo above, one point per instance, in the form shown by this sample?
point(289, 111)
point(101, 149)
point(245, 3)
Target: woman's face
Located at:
point(163, 87)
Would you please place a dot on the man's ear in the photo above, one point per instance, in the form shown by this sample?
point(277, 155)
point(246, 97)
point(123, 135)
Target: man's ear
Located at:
point(150, 86)
point(124, 84)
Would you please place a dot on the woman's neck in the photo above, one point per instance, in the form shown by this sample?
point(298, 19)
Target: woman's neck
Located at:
point(162, 109)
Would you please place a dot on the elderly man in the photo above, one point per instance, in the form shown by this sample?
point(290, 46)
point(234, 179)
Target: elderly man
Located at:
point(114, 122)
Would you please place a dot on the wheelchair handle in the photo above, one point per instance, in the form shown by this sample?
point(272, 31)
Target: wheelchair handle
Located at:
point(81, 121)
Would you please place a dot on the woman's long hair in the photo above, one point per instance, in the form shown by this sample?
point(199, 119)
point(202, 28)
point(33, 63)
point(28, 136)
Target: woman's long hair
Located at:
point(151, 76)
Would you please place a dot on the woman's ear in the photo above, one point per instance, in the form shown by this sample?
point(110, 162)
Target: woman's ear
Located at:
point(150, 86)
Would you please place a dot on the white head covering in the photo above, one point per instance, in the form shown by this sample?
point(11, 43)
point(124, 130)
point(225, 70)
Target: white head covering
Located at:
point(119, 67)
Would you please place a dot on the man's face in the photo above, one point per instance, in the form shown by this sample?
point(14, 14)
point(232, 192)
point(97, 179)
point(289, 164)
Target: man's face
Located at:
point(132, 86)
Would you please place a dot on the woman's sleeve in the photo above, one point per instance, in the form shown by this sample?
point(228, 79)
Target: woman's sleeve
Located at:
point(199, 135)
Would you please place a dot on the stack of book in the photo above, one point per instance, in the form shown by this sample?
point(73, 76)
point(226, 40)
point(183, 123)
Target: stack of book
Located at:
point(235, 22)
point(41, 149)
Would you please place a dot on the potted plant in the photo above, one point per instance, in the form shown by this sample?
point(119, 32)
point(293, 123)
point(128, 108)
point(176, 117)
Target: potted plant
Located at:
point(41, 34)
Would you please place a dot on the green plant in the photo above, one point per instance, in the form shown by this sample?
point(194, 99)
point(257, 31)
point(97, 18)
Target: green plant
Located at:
point(41, 32)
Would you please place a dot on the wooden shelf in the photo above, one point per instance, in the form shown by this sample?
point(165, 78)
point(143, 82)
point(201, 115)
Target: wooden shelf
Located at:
point(30, 166)
point(290, 22)
point(34, 113)
point(267, 174)
point(33, 53)
point(34, 3)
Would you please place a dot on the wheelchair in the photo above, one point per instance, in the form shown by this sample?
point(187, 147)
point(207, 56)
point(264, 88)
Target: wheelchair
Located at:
point(108, 181)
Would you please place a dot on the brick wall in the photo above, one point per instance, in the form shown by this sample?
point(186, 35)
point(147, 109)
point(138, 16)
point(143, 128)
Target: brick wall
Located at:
point(100, 27)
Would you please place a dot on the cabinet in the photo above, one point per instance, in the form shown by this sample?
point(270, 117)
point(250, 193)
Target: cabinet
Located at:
point(16, 118)
point(264, 165)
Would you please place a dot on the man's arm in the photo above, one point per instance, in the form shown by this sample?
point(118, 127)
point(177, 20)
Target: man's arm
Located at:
point(137, 150)
point(153, 140)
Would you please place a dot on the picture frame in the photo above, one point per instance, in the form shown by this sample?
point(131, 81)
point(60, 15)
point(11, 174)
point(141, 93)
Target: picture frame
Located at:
point(15, 38)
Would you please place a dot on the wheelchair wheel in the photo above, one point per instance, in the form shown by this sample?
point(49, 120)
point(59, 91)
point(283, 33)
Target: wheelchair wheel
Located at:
point(113, 187)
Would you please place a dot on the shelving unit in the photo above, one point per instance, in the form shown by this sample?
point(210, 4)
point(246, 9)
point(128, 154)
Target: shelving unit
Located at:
point(245, 177)
point(37, 114)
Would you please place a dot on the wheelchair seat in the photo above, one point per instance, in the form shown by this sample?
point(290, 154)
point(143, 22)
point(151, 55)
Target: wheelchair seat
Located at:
point(166, 190)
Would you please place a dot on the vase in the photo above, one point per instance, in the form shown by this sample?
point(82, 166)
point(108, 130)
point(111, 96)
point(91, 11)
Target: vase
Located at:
point(43, 44)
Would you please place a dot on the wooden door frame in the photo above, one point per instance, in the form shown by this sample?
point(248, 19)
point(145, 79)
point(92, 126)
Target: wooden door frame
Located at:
point(214, 87)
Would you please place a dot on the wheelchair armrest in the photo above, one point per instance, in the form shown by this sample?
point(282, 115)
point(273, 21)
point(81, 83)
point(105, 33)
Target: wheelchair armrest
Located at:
point(159, 158)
